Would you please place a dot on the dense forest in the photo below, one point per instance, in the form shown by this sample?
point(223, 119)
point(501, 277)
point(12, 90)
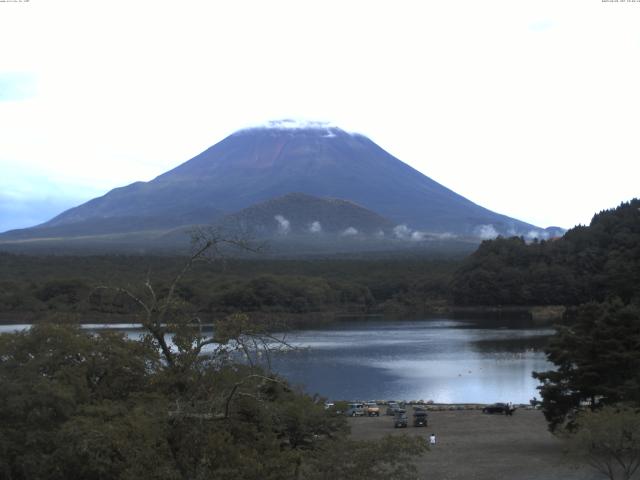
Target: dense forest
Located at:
point(591, 397)
point(39, 287)
point(78, 405)
point(589, 263)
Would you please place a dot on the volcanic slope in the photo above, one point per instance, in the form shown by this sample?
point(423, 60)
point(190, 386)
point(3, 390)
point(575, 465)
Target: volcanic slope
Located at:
point(258, 164)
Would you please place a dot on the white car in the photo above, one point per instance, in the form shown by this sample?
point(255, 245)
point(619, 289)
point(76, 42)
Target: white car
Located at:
point(355, 410)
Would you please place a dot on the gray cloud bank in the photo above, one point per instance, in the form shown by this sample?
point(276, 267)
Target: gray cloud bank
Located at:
point(22, 213)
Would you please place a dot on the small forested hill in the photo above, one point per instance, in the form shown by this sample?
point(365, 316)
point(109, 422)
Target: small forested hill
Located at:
point(305, 214)
point(590, 263)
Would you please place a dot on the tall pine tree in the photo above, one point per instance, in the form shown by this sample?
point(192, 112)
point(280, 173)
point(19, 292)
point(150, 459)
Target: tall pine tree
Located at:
point(598, 362)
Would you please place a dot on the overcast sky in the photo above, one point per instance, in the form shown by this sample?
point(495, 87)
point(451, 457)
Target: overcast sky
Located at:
point(528, 108)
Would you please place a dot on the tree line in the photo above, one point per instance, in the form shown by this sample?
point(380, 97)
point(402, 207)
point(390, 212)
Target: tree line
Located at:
point(53, 286)
point(589, 263)
point(177, 403)
point(592, 396)
point(61, 387)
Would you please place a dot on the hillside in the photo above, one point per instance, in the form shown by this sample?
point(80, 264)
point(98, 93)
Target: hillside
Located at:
point(298, 213)
point(589, 263)
point(260, 165)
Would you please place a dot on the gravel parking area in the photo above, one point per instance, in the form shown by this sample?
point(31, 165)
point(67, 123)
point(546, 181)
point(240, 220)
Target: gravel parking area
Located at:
point(472, 445)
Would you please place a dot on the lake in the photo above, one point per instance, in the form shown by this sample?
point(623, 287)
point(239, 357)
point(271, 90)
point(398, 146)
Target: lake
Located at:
point(447, 361)
point(444, 360)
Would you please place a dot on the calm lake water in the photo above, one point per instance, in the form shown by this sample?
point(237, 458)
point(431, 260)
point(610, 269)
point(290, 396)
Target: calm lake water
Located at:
point(443, 360)
point(446, 361)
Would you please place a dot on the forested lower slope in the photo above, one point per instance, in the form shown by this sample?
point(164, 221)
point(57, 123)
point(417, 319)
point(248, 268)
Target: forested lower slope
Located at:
point(38, 287)
point(590, 263)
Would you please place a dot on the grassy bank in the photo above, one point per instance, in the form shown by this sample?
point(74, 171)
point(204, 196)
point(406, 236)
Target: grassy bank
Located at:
point(476, 446)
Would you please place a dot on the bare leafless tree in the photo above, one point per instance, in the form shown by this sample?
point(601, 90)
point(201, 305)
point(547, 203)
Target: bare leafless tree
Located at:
point(180, 336)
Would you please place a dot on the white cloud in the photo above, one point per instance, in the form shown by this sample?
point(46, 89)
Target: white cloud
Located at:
point(297, 124)
point(315, 227)
point(284, 226)
point(444, 236)
point(539, 234)
point(485, 232)
point(418, 236)
point(349, 232)
point(402, 232)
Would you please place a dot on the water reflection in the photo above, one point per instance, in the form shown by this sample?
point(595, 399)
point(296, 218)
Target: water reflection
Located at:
point(442, 360)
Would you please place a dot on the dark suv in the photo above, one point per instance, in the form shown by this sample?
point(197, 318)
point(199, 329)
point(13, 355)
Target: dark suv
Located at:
point(498, 408)
point(420, 418)
point(400, 420)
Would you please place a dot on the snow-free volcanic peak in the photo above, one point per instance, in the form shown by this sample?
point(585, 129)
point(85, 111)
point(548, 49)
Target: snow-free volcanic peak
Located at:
point(260, 163)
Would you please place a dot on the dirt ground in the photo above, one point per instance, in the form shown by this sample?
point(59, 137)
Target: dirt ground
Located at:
point(476, 446)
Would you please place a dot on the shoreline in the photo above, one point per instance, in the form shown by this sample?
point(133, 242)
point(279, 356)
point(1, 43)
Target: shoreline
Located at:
point(442, 407)
point(476, 446)
point(539, 315)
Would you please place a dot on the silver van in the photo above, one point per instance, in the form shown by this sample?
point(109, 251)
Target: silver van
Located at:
point(355, 410)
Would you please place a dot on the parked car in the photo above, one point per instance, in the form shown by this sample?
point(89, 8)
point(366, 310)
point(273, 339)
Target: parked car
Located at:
point(392, 408)
point(400, 420)
point(372, 409)
point(499, 408)
point(355, 410)
point(420, 418)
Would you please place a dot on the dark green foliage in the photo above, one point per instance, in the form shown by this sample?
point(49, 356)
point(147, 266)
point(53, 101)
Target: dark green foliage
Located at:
point(507, 271)
point(588, 264)
point(38, 287)
point(78, 406)
point(596, 271)
point(115, 440)
point(597, 359)
point(187, 416)
point(69, 292)
point(48, 376)
point(290, 294)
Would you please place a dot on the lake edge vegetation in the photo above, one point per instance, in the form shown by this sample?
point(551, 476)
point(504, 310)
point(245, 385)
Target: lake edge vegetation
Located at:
point(79, 405)
point(593, 272)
